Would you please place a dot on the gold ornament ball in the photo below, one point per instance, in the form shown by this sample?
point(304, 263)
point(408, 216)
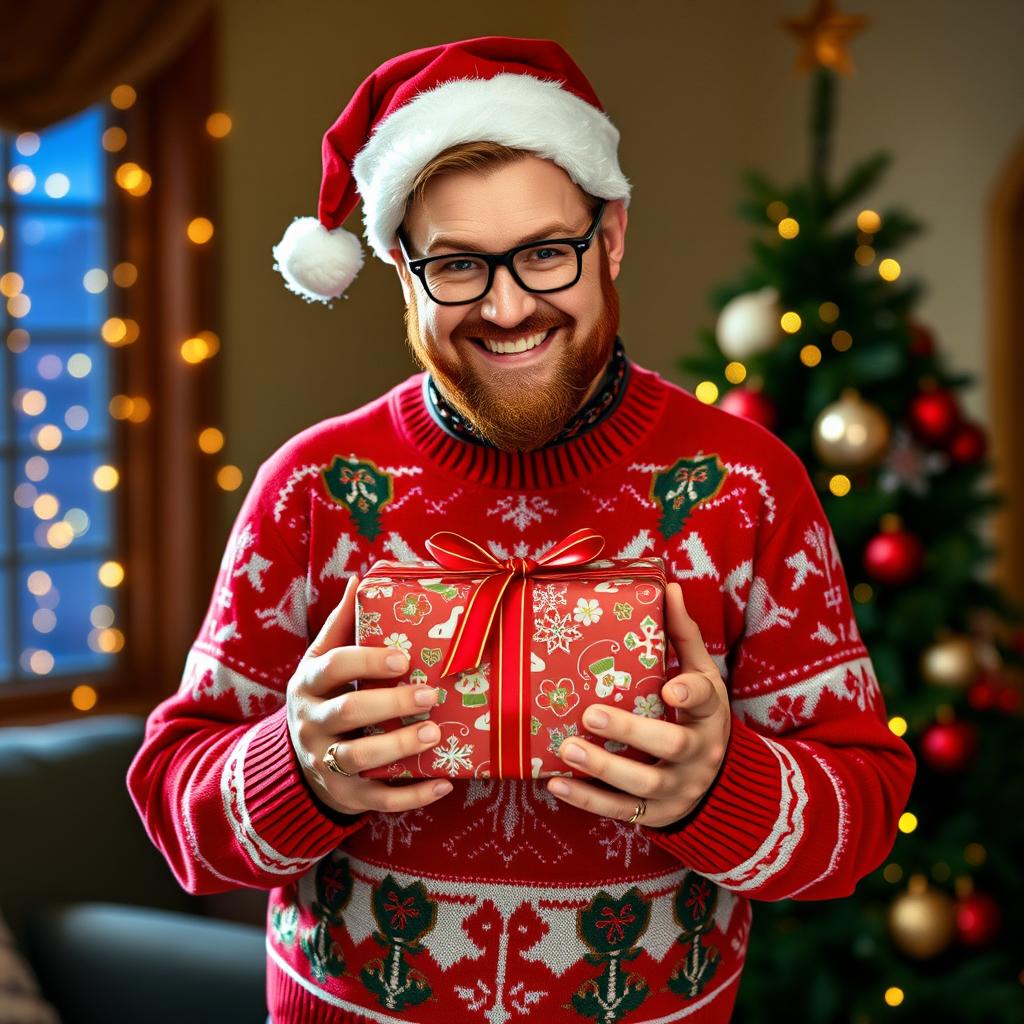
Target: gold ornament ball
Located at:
point(951, 661)
point(851, 433)
point(922, 920)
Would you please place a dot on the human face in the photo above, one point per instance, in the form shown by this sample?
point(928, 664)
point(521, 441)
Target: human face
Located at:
point(517, 402)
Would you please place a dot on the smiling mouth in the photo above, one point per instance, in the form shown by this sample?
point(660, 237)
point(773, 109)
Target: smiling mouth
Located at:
point(517, 347)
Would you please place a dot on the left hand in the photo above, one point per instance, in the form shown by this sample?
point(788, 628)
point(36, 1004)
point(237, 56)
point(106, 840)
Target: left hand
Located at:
point(691, 749)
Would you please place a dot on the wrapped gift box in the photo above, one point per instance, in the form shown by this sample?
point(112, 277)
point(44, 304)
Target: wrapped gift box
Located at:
point(518, 650)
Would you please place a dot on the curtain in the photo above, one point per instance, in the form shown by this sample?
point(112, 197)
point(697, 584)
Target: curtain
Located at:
point(58, 57)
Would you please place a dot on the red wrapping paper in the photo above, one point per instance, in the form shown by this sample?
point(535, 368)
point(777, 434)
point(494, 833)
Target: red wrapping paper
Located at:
point(518, 649)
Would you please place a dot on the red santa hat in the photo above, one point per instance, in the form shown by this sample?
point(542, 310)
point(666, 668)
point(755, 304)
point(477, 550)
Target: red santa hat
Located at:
point(523, 93)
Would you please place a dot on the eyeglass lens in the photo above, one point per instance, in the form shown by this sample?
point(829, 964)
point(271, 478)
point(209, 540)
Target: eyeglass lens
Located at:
point(464, 278)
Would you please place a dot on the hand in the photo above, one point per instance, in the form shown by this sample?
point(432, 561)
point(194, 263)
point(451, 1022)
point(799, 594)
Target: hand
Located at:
point(318, 715)
point(691, 749)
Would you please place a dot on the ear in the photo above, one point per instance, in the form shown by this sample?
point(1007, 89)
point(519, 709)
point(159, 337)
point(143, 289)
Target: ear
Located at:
point(613, 231)
point(403, 273)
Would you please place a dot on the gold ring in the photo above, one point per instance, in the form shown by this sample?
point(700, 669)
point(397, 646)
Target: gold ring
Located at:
point(641, 810)
point(333, 765)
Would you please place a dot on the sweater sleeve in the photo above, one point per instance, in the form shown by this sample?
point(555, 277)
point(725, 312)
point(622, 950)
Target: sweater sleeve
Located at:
point(808, 796)
point(217, 781)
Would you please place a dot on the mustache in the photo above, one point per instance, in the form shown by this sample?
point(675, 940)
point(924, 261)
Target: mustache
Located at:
point(483, 329)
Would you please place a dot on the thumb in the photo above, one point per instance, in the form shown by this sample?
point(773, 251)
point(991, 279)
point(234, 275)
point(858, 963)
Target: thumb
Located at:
point(685, 634)
point(338, 629)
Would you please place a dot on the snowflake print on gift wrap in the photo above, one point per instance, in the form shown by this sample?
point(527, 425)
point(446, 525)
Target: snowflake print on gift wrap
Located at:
point(560, 697)
point(588, 611)
point(623, 611)
point(362, 488)
point(679, 490)
point(454, 758)
point(521, 511)
point(399, 642)
point(556, 631)
point(548, 596)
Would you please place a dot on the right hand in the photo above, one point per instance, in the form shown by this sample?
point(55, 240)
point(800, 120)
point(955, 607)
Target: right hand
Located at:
point(318, 715)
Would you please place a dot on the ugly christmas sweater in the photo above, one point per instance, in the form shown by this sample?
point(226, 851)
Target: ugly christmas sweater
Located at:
point(499, 901)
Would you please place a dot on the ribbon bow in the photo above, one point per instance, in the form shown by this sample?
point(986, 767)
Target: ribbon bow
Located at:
point(488, 598)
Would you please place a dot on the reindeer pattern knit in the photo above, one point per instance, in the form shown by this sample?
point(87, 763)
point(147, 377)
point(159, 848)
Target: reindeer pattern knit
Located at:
point(499, 901)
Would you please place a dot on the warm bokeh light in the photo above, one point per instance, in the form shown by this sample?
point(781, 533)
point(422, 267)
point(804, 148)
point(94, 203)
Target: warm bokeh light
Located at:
point(218, 125)
point(33, 402)
point(898, 725)
point(46, 506)
point(735, 373)
point(810, 355)
point(122, 96)
point(893, 996)
point(111, 574)
point(975, 854)
point(199, 230)
point(105, 478)
point(789, 228)
point(114, 331)
point(18, 340)
point(114, 139)
point(864, 255)
point(707, 392)
point(869, 221)
point(21, 179)
point(195, 350)
point(36, 468)
point(39, 582)
point(60, 535)
point(84, 698)
point(125, 275)
point(211, 440)
point(11, 284)
point(120, 407)
point(24, 495)
point(892, 873)
point(777, 210)
point(839, 485)
point(142, 186)
point(790, 322)
point(889, 269)
point(829, 312)
point(229, 478)
point(19, 306)
point(44, 620)
point(863, 592)
point(48, 437)
point(41, 662)
point(841, 341)
point(109, 641)
point(140, 410)
point(128, 175)
point(907, 822)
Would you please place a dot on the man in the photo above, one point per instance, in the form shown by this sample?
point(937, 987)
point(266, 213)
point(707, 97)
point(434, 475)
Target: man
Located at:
point(621, 890)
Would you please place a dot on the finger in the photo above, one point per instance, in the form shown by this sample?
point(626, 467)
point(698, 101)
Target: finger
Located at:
point(359, 708)
point(623, 773)
point(360, 755)
point(602, 802)
point(338, 628)
point(382, 796)
point(341, 665)
point(665, 740)
point(685, 634)
point(694, 694)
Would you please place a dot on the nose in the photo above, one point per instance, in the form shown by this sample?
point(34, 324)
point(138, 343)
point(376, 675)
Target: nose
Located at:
point(506, 304)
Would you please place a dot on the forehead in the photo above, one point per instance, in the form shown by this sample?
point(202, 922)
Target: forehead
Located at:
point(497, 209)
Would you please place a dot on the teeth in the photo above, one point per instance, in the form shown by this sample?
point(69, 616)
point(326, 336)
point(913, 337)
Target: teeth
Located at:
point(522, 345)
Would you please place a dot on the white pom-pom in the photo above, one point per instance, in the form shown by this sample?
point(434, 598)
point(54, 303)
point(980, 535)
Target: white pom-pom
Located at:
point(317, 264)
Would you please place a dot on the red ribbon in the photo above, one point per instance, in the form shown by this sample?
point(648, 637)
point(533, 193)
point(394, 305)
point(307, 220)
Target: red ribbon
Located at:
point(504, 594)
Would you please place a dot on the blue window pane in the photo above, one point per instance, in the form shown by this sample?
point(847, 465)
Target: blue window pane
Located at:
point(70, 150)
point(5, 516)
point(74, 381)
point(62, 614)
point(79, 503)
point(6, 665)
point(52, 252)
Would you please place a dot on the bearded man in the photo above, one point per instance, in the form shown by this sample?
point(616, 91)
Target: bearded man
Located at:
point(620, 889)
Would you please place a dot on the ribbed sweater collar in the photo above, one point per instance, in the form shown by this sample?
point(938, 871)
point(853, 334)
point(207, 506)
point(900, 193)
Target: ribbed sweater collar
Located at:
point(637, 409)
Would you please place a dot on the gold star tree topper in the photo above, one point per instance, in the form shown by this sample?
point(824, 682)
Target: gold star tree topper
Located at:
point(824, 34)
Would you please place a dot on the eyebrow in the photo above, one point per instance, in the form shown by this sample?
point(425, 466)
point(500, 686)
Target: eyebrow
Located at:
point(556, 230)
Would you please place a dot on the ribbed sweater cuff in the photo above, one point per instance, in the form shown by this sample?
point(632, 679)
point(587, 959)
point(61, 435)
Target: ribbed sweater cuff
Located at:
point(736, 814)
point(281, 805)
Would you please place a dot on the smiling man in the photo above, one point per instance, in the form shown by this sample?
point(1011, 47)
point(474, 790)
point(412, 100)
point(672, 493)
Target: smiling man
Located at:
point(619, 889)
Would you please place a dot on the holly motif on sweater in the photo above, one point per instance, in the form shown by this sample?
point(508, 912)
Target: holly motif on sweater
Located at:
point(404, 916)
point(694, 911)
point(333, 890)
point(612, 928)
point(362, 488)
point(690, 482)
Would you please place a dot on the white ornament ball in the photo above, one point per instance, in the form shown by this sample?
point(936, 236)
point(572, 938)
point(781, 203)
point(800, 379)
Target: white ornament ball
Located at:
point(749, 324)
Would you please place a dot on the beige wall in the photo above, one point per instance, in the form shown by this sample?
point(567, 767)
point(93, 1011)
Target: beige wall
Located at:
point(700, 90)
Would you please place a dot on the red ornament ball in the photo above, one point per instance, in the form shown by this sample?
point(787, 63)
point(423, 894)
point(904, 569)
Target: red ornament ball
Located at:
point(982, 695)
point(949, 746)
point(751, 405)
point(934, 416)
point(968, 444)
point(893, 557)
point(978, 919)
point(921, 341)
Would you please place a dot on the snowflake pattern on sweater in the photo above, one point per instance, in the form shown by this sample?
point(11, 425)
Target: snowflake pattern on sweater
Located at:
point(499, 901)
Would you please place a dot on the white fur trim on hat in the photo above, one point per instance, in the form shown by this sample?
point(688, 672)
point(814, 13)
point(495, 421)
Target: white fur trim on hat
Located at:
point(515, 110)
point(316, 263)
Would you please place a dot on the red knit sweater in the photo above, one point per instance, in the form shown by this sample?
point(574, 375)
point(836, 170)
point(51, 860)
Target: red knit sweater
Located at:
point(499, 900)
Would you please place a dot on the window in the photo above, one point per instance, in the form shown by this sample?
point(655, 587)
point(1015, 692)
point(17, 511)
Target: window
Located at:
point(59, 610)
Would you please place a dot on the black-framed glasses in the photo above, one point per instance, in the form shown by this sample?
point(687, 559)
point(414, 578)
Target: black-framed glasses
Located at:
point(458, 278)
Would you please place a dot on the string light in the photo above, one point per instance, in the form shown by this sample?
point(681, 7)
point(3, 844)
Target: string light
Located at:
point(839, 485)
point(218, 125)
point(122, 96)
point(842, 340)
point(11, 284)
point(777, 210)
point(907, 822)
point(18, 340)
point(60, 535)
point(863, 592)
point(199, 230)
point(84, 698)
point(789, 228)
point(892, 873)
point(889, 269)
point(125, 275)
point(893, 996)
point(95, 280)
point(38, 582)
point(211, 440)
point(111, 574)
point(105, 478)
point(102, 616)
point(229, 478)
point(21, 179)
point(57, 186)
point(707, 392)
point(114, 139)
point(735, 373)
point(128, 175)
point(898, 725)
point(790, 322)
point(864, 255)
point(19, 306)
point(829, 312)
point(869, 221)
point(810, 355)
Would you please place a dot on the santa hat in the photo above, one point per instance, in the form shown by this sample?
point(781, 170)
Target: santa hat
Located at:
point(524, 93)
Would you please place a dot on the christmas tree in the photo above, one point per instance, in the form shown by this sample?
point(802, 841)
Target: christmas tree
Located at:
point(817, 340)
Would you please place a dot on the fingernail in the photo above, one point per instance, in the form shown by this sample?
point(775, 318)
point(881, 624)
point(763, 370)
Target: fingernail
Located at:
point(397, 661)
point(560, 787)
point(680, 692)
point(441, 788)
point(596, 718)
point(428, 733)
point(425, 697)
point(575, 753)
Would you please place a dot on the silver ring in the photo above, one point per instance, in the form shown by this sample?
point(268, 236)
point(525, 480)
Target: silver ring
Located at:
point(333, 765)
point(641, 810)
